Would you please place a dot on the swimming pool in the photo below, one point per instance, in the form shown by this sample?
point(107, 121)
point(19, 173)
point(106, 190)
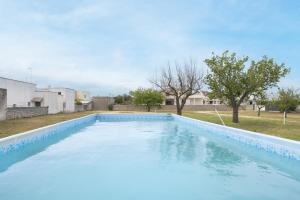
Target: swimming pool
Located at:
point(153, 156)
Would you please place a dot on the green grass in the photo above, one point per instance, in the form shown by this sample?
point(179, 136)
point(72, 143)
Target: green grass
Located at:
point(268, 123)
point(11, 127)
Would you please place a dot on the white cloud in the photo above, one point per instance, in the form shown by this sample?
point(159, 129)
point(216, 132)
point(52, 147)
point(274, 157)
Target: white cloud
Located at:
point(117, 44)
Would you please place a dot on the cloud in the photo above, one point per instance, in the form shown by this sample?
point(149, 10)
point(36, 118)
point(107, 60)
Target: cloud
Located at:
point(118, 45)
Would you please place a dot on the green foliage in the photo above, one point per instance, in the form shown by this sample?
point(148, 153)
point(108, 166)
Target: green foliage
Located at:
point(288, 100)
point(147, 97)
point(261, 100)
point(123, 99)
point(78, 102)
point(110, 107)
point(230, 81)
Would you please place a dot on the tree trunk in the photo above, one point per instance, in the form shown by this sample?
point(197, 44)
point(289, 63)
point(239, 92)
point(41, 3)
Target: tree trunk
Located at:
point(285, 113)
point(258, 113)
point(178, 106)
point(179, 111)
point(148, 108)
point(235, 114)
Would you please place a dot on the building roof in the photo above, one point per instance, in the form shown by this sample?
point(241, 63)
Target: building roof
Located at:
point(37, 99)
point(17, 80)
point(64, 88)
point(44, 90)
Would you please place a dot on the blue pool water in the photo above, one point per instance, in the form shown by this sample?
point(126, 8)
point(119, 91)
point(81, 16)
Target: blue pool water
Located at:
point(145, 160)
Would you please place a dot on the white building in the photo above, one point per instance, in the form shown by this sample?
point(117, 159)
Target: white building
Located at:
point(68, 98)
point(19, 93)
point(25, 94)
point(49, 99)
point(200, 98)
point(84, 98)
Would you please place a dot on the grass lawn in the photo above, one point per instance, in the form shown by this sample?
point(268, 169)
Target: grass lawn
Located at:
point(269, 122)
point(10, 127)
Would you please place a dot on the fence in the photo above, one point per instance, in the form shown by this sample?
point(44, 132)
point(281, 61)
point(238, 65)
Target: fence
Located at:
point(22, 112)
point(102, 103)
point(172, 108)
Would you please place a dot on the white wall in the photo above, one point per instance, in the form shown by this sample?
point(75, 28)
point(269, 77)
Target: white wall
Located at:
point(68, 96)
point(197, 99)
point(18, 92)
point(52, 100)
point(3, 101)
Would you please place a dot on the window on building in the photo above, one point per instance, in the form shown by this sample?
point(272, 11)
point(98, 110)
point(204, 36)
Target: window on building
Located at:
point(169, 101)
point(59, 93)
point(37, 104)
point(28, 104)
point(211, 102)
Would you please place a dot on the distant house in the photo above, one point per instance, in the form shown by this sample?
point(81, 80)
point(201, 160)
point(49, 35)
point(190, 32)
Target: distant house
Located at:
point(84, 98)
point(67, 95)
point(20, 99)
point(19, 93)
point(52, 100)
point(56, 99)
point(200, 98)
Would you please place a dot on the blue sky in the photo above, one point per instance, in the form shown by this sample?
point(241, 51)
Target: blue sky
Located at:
point(110, 47)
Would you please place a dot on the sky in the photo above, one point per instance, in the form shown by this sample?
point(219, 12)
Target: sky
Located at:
point(110, 47)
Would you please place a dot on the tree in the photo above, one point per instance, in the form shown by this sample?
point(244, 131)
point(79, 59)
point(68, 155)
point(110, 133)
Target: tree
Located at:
point(123, 99)
point(180, 81)
point(261, 101)
point(229, 80)
point(288, 100)
point(147, 97)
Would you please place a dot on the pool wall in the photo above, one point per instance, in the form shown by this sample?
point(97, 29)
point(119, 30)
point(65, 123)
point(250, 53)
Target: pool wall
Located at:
point(280, 146)
point(17, 141)
point(284, 147)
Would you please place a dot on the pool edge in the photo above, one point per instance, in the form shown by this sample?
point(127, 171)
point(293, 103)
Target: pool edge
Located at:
point(284, 147)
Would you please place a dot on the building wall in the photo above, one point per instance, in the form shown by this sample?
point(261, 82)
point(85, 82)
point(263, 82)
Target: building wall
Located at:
point(198, 99)
point(22, 112)
point(3, 101)
point(52, 100)
point(19, 93)
point(68, 96)
point(101, 103)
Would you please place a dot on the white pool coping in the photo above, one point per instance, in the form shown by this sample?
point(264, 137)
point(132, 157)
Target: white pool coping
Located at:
point(284, 147)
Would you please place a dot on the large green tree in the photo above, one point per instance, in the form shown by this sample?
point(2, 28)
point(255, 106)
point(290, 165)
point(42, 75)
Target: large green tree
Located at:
point(288, 100)
point(147, 97)
point(231, 81)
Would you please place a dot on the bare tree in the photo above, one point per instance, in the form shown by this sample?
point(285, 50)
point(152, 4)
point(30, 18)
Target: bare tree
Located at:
point(180, 81)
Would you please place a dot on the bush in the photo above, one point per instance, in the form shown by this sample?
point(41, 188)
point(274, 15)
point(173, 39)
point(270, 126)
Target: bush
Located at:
point(110, 107)
point(147, 97)
point(78, 102)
